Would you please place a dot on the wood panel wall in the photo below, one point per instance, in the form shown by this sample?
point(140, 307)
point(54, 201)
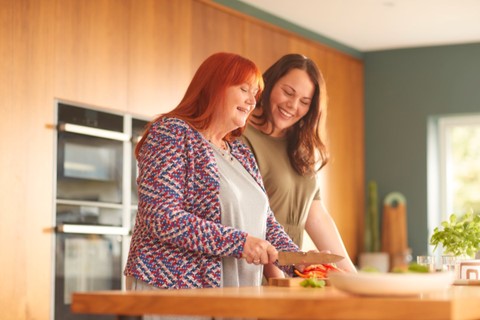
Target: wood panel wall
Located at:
point(8, 182)
point(133, 56)
point(91, 52)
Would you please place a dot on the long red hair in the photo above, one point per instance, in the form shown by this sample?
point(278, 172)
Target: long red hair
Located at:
point(207, 91)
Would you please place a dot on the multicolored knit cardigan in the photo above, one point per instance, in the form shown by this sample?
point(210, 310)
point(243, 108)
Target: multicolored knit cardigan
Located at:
point(178, 239)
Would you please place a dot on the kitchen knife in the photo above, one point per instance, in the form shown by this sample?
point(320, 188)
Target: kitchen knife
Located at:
point(300, 257)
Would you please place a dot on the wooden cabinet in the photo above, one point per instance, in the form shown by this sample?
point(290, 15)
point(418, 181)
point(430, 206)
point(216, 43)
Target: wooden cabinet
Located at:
point(159, 54)
point(91, 52)
point(134, 56)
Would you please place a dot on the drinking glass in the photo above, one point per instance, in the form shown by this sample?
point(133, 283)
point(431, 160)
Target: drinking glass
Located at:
point(448, 263)
point(428, 261)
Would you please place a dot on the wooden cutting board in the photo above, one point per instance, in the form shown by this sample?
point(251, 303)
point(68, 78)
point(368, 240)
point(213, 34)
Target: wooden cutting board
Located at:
point(464, 282)
point(394, 226)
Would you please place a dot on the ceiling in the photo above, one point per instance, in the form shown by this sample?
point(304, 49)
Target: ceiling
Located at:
point(369, 25)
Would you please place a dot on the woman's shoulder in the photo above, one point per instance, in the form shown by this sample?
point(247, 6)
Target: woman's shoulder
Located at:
point(253, 133)
point(260, 142)
point(171, 122)
point(250, 131)
point(241, 146)
point(251, 136)
point(174, 126)
point(243, 150)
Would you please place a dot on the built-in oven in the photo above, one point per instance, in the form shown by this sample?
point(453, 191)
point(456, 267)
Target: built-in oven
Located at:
point(95, 201)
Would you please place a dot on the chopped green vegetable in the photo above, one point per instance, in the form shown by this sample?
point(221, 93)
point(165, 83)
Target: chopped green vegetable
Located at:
point(313, 282)
point(399, 270)
point(410, 268)
point(415, 267)
point(369, 269)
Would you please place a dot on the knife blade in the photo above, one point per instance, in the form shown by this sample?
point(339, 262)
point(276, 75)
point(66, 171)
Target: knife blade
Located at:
point(300, 257)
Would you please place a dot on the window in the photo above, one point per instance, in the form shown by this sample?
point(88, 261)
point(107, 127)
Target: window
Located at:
point(453, 167)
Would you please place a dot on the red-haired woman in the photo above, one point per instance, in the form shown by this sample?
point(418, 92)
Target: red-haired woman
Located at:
point(203, 215)
point(285, 137)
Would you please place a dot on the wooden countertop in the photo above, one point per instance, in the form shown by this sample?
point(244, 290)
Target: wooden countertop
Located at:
point(457, 302)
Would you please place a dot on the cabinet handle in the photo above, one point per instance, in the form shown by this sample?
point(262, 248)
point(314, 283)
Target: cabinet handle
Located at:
point(89, 131)
point(89, 229)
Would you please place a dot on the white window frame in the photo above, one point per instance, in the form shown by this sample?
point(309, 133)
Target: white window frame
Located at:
point(439, 199)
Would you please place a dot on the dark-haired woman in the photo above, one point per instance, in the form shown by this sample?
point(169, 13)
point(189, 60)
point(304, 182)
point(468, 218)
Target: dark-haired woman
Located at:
point(284, 135)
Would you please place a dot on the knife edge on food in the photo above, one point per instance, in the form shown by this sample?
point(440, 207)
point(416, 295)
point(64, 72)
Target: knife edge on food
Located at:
point(300, 257)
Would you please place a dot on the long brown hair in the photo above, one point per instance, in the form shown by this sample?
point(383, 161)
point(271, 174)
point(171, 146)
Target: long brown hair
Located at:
point(207, 90)
point(306, 150)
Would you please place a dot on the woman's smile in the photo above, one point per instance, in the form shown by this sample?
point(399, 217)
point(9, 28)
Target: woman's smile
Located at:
point(285, 113)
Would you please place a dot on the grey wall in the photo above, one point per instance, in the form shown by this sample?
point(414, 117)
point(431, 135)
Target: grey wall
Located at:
point(402, 89)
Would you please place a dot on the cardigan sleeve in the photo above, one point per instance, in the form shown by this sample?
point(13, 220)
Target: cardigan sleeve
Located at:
point(165, 171)
point(277, 236)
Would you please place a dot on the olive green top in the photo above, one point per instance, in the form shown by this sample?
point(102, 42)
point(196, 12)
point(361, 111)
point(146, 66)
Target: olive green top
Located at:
point(290, 194)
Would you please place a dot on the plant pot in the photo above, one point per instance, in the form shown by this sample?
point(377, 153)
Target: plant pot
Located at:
point(378, 260)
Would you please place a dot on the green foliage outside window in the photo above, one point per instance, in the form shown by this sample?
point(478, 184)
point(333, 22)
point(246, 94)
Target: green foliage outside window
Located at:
point(465, 162)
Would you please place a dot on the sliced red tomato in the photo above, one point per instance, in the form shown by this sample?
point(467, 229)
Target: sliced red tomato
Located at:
point(315, 267)
point(317, 271)
point(333, 267)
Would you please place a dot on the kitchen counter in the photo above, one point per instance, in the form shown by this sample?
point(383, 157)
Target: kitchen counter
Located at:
point(456, 302)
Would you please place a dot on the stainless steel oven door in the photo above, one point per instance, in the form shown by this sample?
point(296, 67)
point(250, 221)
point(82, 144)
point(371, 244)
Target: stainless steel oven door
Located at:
point(85, 262)
point(89, 168)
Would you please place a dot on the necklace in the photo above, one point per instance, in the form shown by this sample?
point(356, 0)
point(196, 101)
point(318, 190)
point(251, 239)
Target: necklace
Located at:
point(224, 150)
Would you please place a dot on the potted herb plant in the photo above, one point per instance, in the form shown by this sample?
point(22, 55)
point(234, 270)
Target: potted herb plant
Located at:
point(459, 235)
